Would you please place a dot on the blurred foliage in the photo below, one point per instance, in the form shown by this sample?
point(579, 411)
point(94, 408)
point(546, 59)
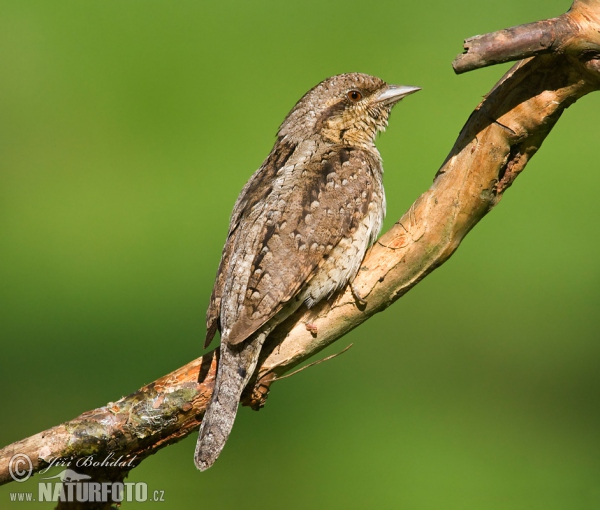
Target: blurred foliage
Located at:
point(127, 130)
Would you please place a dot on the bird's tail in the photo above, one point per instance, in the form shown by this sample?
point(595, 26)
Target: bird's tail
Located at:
point(236, 366)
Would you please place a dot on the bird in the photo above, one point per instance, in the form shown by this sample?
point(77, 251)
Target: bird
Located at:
point(298, 233)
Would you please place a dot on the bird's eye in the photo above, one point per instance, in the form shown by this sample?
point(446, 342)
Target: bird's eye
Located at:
point(354, 96)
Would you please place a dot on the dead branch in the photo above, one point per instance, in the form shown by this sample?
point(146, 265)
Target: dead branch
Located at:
point(567, 34)
point(494, 146)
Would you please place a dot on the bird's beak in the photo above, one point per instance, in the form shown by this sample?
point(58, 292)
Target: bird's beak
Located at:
point(391, 94)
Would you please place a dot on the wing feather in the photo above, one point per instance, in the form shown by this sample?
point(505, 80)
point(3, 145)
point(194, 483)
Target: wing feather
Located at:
point(281, 238)
point(255, 191)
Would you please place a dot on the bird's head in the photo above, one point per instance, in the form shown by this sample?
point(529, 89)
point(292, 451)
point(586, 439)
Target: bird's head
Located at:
point(349, 109)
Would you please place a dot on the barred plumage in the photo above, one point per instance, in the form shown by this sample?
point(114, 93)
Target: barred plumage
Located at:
point(299, 230)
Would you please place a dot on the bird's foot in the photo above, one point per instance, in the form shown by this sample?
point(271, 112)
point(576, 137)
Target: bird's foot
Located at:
point(359, 299)
point(311, 328)
point(255, 395)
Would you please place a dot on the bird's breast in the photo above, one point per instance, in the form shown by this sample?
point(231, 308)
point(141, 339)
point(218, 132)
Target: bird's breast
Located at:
point(366, 207)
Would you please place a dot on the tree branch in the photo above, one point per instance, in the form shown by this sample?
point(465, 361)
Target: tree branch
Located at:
point(568, 33)
point(494, 146)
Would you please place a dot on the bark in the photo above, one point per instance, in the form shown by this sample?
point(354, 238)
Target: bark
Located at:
point(567, 34)
point(493, 148)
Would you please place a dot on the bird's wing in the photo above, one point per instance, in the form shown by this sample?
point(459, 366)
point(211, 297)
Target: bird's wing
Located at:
point(281, 238)
point(255, 191)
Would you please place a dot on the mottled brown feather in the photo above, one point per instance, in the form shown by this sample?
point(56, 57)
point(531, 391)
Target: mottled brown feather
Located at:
point(298, 233)
point(256, 189)
point(334, 198)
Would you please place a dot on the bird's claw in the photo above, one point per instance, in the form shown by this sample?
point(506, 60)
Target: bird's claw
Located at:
point(359, 299)
point(311, 328)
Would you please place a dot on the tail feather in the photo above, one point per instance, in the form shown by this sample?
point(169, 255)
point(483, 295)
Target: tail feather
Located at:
point(236, 366)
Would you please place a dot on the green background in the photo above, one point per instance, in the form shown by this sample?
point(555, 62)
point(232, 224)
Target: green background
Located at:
point(127, 129)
